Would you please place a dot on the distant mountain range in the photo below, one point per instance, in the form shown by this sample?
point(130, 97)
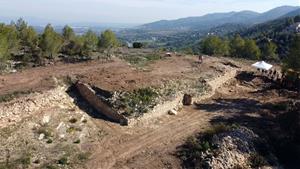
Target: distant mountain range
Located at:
point(79, 27)
point(185, 32)
point(216, 19)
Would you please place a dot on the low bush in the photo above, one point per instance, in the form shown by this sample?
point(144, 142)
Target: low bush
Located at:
point(137, 45)
point(152, 57)
point(63, 161)
point(44, 130)
point(139, 101)
point(13, 95)
point(73, 120)
point(83, 156)
point(22, 162)
point(49, 141)
point(84, 121)
point(191, 152)
point(77, 141)
point(73, 129)
point(142, 60)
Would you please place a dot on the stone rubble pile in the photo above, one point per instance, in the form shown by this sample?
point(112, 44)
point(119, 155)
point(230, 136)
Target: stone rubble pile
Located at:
point(16, 110)
point(233, 148)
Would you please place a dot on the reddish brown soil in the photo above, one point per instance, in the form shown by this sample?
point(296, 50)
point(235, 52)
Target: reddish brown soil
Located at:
point(154, 145)
point(116, 75)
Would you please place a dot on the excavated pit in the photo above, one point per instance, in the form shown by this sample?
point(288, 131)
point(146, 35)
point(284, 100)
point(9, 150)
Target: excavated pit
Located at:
point(129, 108)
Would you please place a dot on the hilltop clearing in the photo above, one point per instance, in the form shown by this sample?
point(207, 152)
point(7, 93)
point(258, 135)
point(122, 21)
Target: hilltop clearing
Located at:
point(51, 127)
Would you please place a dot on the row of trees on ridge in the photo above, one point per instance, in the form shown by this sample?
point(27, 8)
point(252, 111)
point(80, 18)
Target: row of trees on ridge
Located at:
point(21, 42)
point(239, 47)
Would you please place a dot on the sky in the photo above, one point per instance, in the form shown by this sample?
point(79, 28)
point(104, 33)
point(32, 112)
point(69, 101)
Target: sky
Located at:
point(127, 11)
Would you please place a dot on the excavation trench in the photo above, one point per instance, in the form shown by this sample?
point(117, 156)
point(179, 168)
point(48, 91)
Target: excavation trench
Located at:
point(93, 96)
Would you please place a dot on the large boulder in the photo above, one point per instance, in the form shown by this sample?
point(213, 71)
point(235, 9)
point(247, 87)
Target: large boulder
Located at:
point(187, 100)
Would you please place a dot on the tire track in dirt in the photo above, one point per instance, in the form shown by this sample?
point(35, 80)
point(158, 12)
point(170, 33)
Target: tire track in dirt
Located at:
point(171, 132)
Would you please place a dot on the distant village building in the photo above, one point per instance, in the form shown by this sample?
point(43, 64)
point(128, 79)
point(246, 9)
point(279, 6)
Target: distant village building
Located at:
point(129, 45)
point(294, 28)
point(154, 38)
point(168, 54)
point(298, 27)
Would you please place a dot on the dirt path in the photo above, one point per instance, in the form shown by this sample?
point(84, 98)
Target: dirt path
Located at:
point(163, 137)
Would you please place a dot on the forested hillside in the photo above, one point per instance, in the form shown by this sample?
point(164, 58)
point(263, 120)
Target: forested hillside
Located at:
point(216, 19)
point(280, 31)
point(185, 33)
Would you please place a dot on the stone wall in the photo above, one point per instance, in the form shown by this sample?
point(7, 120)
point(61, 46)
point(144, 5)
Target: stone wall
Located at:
point(90, 96)
point(159, 110)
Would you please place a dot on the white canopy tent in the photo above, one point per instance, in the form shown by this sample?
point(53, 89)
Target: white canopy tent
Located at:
point(262, 65)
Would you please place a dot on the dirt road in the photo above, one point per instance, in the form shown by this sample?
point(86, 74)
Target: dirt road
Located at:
point(152, 142)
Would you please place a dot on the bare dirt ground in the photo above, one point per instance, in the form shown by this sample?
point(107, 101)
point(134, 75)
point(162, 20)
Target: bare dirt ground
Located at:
point(154, 146)
point(145, 145)
point(112, 75)
point(109, 75)
point(24, 115)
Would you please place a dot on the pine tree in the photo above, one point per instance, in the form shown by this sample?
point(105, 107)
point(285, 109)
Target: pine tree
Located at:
point(90, 41)
point(236, 46)
point(269, 51)
point(9, 41)
point(3, 47)
point(108, 40)
point(68, 33)
point(213, 45)
point(51, 42)
point(30, 38)
point(251, 50)
point(293, 59)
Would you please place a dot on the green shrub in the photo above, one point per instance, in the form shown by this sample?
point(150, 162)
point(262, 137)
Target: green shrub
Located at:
point(44, 130)
point(51, 167)
point(190, 152)
point(10, 96)
point(152, 57)
point(77, 141)
point(137, 45)
point(141, 60)
point(49, 141)
point(73, 129)
point(73, 120)
point(219, 128)
point(83, 156)
point(139, 101)
point(84, 121)
point(63, 161)
point(37, 161)
point(24, 160)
